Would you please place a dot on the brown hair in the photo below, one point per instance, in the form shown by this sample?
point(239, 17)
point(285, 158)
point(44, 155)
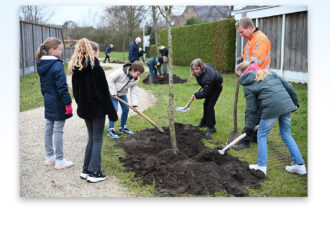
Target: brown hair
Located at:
point(245, 23)
point(44, 48)
point(137, 66)
point(261, 74)
point(83, 52)
point(196, 62)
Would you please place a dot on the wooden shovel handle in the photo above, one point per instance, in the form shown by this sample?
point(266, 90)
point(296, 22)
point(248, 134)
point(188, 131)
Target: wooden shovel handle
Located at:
point(142, 114)
point(235, 105)
point(192, 98)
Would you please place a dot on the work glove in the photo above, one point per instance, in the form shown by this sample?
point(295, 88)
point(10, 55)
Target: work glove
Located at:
point(239, 60)
point(248, 131)
point(68, 109)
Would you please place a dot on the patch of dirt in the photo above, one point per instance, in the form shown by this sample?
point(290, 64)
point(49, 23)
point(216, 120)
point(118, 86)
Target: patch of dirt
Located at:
point(195, 169)
point(164, 79)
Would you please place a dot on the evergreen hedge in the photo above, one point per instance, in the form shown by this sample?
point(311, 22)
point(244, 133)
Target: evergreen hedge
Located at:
point(153, 51)
point(213, 42)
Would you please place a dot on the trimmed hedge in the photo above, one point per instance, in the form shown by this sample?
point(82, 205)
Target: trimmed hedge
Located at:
point(153, 51)
point(213, 42)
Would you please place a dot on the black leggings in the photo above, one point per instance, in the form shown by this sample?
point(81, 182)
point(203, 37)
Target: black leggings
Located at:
point(209, 112)
point(95, 127)
point(107, 57)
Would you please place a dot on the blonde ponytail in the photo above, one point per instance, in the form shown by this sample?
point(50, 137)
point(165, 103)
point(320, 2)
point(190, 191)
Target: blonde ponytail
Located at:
point(49, 43)
point(261, 74)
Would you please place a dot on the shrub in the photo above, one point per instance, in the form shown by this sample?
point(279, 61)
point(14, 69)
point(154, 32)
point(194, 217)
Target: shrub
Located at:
point(213, 42)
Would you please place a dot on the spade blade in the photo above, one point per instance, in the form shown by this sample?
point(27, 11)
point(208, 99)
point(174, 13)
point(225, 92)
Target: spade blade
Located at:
point(182, 109)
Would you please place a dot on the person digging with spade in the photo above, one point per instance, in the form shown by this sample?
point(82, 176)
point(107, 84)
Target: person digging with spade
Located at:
point(211, 82)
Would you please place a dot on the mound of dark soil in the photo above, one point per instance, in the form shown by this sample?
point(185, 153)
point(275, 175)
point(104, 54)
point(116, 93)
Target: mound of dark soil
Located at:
point(195, 169)
point(164, 79)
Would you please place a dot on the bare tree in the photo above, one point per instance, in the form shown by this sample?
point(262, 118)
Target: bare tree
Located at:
point(155, 19)
point(166, 12)
point(36, 14)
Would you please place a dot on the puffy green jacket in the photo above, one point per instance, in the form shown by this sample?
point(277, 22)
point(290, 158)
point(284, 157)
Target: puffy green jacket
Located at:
point(274, 94)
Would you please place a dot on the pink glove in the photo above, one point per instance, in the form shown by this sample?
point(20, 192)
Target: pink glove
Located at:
point(68, 109)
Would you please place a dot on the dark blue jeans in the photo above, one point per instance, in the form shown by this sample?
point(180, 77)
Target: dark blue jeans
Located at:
point(95, 127)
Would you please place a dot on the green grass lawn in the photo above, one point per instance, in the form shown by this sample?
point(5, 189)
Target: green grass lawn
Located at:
point(121, 56)
point(277, 183)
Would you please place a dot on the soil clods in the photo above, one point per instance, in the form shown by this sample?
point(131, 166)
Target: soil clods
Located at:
point(195, 169)
point(164, 79)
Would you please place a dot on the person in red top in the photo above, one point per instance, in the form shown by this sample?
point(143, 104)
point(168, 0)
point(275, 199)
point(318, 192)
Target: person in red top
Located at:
point(258, 47)
point(257, 50)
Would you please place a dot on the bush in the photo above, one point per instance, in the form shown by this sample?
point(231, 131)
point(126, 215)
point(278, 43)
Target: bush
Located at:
point(153, 51)
point(193, 20)
point(213, 42)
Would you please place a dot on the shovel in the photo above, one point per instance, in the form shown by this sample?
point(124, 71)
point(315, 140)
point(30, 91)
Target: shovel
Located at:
point(222, 151)
point(186, 109)
point(143, 115)
point(234, 134)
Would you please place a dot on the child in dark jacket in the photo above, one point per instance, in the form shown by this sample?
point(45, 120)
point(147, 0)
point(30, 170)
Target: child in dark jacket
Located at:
point(211, 82)
point(91, 92)
point(57, 99)
point(277, 99)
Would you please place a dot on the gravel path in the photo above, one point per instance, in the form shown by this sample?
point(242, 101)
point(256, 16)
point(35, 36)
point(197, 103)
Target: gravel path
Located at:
point(39, 180)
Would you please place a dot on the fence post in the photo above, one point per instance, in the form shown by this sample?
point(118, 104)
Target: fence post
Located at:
point(23, 48)
point(282, 45)
point(34, 55)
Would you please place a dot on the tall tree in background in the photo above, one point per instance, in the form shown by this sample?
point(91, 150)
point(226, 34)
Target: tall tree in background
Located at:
point(166, 12)
point(35, 14)
point(155, 19)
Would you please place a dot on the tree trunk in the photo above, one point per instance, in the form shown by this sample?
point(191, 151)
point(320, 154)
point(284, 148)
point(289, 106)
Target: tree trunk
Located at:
point(171, 93)
point(154, 18)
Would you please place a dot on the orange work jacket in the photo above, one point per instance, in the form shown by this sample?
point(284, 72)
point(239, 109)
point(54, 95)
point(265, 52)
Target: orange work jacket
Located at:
point(258, 49)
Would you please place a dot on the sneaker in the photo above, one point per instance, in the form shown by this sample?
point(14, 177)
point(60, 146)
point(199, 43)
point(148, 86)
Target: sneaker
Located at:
point(50, 161)
point(240, 146)
point(299, 169)
point(96, 177)
point(84, 174)
point(257, 167)
point(125, 130)
point(112, 133)
point(63, 164)
point(210, 131)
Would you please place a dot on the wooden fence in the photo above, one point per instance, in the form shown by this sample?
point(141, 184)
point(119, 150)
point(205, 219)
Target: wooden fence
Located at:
point(294, 52)
point(31, 36)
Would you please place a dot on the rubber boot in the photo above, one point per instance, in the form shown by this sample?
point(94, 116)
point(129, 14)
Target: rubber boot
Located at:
point(150, 81)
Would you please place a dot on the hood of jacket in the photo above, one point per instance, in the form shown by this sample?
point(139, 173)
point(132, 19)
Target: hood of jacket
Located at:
point(45, 63)
point(247, 78)
point(126, 68)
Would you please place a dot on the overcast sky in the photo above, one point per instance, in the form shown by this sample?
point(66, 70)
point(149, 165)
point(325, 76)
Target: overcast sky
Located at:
point(84, 15)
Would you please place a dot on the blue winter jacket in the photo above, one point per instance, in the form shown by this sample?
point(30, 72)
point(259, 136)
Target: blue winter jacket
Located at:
point(53, 87)
point(133, 52)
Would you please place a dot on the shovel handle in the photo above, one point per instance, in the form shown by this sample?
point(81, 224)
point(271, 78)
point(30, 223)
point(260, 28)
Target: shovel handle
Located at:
point(142, 114)
point(192, 98)
point(222, 151)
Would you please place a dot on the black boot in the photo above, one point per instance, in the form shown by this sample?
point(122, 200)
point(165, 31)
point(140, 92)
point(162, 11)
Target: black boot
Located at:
point(210, 131)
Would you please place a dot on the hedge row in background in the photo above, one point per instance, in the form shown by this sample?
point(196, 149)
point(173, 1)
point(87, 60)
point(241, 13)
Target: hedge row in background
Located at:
point(153, 51)
point(213, 42)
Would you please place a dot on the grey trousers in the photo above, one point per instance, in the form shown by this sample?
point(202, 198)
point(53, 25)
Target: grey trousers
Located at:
point(54, 129)
point(95, 127)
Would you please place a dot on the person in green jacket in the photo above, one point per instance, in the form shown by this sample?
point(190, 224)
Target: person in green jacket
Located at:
point(277, 99)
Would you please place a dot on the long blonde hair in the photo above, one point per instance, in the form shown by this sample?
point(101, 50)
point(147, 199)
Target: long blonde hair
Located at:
point(261, 74)
point(83, 52)
point(49, 43)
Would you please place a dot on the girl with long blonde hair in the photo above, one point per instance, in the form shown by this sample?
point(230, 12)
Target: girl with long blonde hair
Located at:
point(91, 92)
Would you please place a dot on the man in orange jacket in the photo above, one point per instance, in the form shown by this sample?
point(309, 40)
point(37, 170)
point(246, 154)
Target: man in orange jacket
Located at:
point(257, 49)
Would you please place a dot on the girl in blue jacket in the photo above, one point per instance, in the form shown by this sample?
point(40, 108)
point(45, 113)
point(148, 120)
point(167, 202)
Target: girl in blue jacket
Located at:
point(57, 99)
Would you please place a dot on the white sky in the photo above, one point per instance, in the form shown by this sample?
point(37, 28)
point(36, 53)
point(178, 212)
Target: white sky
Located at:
point(83, 15)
